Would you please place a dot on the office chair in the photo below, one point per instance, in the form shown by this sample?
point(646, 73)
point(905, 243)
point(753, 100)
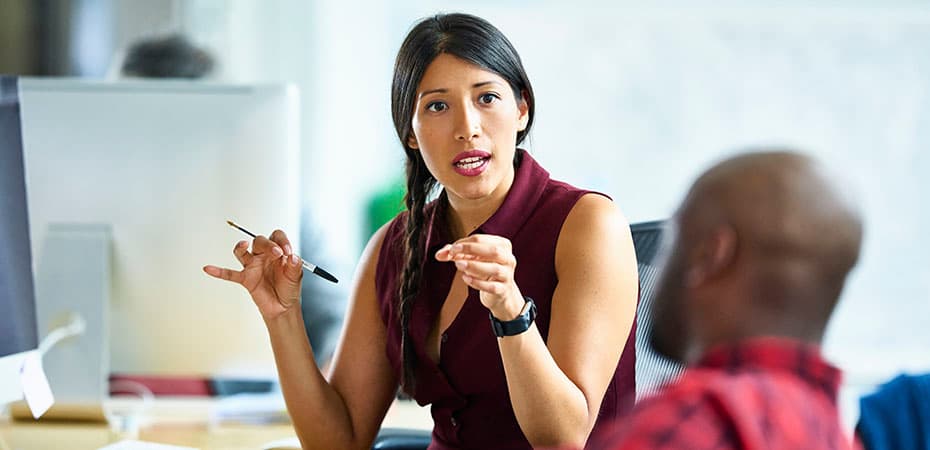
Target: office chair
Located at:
point(652, 370)
point(387, 439)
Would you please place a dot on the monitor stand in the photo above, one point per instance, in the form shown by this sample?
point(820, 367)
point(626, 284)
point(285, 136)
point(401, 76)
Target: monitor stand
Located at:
point(73, 280)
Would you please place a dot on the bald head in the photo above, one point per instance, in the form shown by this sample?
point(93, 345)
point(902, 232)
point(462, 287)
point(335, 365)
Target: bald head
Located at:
point(765, 241)
point(784, 207)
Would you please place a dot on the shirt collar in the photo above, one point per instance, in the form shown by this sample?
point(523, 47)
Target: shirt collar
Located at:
point(529, 182)
point(775, 354)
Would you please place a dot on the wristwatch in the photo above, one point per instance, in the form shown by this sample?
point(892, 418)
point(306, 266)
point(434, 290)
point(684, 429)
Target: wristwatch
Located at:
point(518, 325)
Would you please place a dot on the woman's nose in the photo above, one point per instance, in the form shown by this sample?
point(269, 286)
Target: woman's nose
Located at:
point(468, 124)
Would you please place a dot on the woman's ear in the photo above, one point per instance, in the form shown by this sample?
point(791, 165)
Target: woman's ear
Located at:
point(412, 141)
point(524, 109)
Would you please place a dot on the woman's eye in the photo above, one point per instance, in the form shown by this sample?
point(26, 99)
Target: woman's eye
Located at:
point(488, 98)
point(436, 106)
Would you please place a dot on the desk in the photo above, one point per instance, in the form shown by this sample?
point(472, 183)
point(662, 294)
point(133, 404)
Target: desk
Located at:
point(177, 421)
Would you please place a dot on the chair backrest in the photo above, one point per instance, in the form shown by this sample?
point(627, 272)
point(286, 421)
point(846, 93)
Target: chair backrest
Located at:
point(652, 370)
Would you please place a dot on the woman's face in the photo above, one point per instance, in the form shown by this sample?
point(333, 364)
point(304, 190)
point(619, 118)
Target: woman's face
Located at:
point(465, 124)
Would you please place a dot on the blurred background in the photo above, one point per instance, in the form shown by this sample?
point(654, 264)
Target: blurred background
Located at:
point(632, 100)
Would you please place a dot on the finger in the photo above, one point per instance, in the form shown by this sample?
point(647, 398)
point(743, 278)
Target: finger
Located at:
point(445, 253)
point(280, 237)
point(293, 269)
point(225, 274)
point(488, 271)
point(485, 239)
point(481, 251)
point(262, 245)
point(491, 287)
point(241, 251)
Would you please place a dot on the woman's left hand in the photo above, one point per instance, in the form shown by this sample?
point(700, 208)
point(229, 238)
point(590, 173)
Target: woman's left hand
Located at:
point(487, 264)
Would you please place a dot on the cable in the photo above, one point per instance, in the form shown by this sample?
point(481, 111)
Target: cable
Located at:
point(137, 388)
point(75, 327)
point(129, 422)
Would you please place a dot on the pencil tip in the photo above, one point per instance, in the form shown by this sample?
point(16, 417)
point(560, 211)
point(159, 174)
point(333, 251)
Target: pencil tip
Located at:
point(231, 223)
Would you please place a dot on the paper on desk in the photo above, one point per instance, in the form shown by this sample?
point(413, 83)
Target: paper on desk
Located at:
point(251, 408)
point(35, 385)
point(140, 445)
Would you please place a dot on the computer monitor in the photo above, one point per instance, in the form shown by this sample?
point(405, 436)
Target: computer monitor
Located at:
point(162, 165)
point(18, 329)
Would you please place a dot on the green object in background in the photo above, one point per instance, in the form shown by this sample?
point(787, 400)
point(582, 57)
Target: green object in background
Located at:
point(384, 206)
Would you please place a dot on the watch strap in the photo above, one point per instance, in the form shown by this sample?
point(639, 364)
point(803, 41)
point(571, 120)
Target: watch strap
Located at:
point(518, 325)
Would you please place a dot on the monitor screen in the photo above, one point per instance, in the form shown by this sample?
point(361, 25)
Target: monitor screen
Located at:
point(163, 165)
point(18, 329)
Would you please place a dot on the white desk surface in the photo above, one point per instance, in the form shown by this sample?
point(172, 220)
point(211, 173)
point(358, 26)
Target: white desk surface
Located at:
point(175, 421)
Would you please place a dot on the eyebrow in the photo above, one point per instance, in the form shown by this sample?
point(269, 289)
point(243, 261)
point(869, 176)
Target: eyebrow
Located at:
point(444, 90)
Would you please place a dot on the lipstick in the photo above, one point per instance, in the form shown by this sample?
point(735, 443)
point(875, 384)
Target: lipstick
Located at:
point(471, 163)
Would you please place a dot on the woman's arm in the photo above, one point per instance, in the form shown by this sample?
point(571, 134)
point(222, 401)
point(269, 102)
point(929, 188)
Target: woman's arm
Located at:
point(556, 391)
point(346, 411)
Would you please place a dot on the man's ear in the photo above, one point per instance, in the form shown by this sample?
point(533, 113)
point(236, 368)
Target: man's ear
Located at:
point(712, 256)
point(412, 141)
point(524, 108)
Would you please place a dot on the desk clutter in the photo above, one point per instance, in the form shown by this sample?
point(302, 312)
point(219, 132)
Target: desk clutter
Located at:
point(189, 386)
point(207, 423)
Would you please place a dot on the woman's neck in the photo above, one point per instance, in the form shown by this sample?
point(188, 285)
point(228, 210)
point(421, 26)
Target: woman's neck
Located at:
point(465, 215)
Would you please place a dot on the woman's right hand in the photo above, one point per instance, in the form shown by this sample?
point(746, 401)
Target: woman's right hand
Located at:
point(271, 273)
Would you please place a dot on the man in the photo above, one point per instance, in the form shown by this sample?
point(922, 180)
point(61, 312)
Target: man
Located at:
point(758, 255)
point(171, 56)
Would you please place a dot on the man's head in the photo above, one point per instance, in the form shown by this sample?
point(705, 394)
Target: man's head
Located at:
point(761, 245)
point(170, 56)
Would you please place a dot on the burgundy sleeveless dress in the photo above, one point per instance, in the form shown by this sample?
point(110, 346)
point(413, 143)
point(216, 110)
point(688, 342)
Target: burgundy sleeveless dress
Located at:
point(467, 388)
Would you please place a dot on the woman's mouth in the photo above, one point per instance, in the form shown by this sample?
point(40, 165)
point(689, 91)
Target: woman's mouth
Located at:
point(471, 163)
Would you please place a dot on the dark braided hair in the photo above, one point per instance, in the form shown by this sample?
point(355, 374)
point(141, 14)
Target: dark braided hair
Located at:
point(471, 39)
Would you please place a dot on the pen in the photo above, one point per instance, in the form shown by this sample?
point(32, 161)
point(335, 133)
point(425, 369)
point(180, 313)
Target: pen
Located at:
point(313, 268)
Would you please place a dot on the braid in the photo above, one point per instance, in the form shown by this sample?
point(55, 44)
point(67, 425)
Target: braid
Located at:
point(419, 185)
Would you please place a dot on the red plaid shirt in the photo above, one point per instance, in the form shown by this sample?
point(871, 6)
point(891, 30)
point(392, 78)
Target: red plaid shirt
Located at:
point(766, 393)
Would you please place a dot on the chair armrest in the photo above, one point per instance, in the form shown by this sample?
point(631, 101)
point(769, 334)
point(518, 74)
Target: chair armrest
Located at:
point(402, 439)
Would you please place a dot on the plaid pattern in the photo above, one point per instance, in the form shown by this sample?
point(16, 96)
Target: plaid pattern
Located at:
point(767, 393)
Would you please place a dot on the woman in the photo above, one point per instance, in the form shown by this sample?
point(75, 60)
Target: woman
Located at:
point(548, 366)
